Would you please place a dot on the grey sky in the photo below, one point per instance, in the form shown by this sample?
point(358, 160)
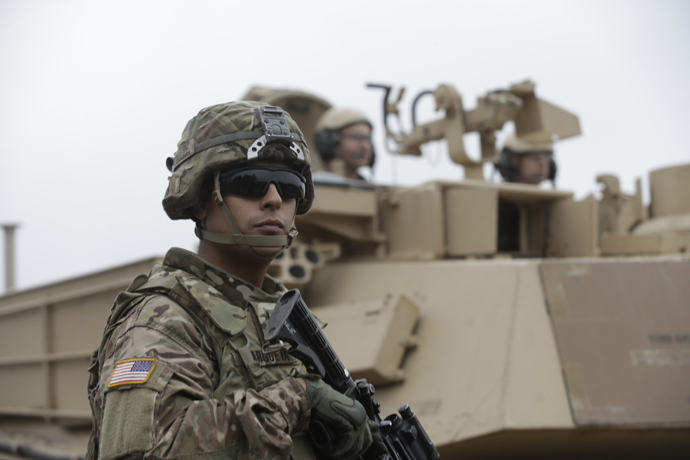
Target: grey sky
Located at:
point(94, 96)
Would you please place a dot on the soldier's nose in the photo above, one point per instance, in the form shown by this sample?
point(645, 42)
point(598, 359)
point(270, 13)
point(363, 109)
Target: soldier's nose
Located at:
point(272, 197)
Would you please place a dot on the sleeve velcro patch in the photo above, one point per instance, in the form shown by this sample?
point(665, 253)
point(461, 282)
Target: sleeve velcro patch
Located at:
point(132, 372)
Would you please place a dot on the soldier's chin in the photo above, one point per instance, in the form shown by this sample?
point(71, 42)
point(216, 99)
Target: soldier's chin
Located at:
point(537, 179)
point(267, 251)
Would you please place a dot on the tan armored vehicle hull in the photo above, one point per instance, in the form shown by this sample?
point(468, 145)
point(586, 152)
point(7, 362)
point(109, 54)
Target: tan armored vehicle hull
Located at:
point(532, 357)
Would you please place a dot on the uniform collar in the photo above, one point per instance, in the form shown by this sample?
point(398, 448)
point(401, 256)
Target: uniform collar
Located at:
point(232, 287)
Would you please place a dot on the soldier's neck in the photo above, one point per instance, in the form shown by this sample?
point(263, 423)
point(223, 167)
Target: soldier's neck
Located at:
point(339, 167)
point(235, 261)
point(351, 173)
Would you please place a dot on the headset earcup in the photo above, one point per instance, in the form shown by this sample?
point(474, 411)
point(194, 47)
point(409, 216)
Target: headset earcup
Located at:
point(505, 165)
point(326, 143)
point(552, 169)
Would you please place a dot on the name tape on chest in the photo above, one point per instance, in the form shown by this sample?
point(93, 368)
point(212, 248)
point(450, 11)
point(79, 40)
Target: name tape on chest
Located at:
point(271, 358)
point(132, 372)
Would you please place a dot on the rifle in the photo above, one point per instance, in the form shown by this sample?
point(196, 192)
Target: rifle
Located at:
point(293, 323)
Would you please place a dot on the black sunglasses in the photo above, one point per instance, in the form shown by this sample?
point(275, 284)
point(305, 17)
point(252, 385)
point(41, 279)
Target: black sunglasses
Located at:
point(253, 182)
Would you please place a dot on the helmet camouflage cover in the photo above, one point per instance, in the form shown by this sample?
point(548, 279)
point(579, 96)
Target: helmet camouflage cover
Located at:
point(230, 135)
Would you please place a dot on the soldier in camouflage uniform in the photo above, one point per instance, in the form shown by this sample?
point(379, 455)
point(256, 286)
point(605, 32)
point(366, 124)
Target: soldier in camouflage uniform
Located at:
point(183, 370)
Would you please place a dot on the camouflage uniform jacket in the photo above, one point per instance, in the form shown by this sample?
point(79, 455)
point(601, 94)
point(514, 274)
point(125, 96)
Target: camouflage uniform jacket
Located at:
point(199, 385)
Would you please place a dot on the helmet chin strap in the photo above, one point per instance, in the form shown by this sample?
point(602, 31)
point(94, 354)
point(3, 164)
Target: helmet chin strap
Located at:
point(237, 237)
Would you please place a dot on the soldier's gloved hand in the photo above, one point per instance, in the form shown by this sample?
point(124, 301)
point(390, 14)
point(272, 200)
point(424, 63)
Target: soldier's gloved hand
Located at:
point(378, 445)
point(345, 416)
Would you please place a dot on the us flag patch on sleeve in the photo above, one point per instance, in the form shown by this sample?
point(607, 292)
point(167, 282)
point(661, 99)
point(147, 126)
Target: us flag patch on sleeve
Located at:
point(132, 372)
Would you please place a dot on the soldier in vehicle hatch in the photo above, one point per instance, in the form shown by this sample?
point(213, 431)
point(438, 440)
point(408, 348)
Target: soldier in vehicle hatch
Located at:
point(521, 162)
point(343, 139)
point(182, 370)
point(524, 162)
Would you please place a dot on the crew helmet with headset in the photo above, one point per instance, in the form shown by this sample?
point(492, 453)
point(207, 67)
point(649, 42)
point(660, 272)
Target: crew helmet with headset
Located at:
point(513, 147)
point(230, 136)
point(328, 138)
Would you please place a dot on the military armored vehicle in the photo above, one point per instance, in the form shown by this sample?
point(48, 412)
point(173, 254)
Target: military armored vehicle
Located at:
point(572, 342)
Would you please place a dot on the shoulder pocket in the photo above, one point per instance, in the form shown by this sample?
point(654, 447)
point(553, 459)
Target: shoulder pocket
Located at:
point(130, 406)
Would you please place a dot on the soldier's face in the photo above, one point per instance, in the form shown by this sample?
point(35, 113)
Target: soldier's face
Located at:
point(533, 168)
point(355, 145)
point(268, 215)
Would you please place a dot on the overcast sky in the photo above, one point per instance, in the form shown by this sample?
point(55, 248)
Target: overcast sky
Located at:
point(94, 96)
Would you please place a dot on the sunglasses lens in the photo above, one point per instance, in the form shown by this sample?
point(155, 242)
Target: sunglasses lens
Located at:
point(291, 190)
point(243, 184)
point(254, 182)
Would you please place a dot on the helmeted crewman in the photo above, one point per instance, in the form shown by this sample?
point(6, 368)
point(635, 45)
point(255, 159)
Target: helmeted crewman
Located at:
point(526, 162)
point(183, 370)
point(343, 140)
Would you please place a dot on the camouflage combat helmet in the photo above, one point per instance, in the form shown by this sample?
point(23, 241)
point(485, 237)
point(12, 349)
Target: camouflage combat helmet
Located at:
point(226, 136)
